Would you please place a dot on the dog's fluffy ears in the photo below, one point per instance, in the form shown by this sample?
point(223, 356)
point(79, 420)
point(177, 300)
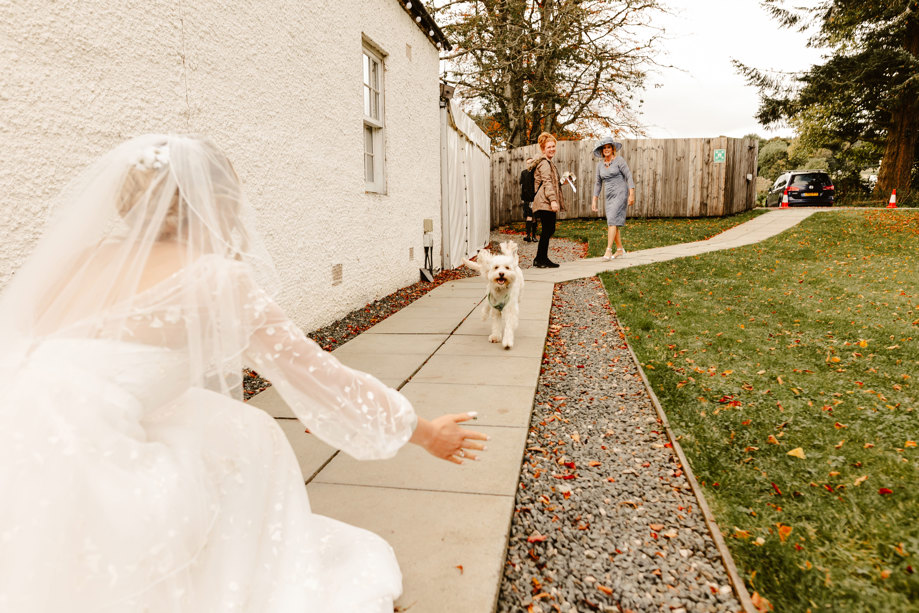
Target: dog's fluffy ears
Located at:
point(483, 257)
point(510, 248)
point(482, 263)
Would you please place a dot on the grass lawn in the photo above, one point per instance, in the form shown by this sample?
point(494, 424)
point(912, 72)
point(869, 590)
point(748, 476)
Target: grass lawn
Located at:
point(789, 369)
point(645, 233)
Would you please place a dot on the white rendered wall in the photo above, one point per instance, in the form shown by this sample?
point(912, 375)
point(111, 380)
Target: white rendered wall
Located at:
point(276, 84)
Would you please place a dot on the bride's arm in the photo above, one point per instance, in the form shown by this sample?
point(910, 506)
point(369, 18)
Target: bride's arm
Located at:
point(348, 409)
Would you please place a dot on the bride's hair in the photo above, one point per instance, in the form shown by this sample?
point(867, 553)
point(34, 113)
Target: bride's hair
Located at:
point(141, 185)
point(152, 192)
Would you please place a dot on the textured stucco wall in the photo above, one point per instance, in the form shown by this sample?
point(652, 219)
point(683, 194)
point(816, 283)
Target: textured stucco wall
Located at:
point(276, 84)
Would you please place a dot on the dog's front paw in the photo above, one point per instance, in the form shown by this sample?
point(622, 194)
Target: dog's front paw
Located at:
point(495, 338)
point(508, 344)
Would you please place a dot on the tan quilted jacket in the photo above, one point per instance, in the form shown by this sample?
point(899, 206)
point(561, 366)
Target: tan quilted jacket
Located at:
point(548, 187)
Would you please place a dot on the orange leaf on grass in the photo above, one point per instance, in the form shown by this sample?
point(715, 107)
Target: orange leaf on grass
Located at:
point(741, 534)
point(885, 491)
point(784, 531)
point(762, 605)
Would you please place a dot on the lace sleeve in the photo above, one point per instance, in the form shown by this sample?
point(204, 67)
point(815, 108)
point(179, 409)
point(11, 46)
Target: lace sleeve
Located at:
point(346, 408)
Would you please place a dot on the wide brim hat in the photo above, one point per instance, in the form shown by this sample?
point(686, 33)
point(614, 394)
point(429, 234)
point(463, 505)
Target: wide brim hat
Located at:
point(598, 150)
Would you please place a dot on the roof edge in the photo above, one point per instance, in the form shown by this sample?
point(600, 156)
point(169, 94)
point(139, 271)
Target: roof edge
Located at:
point(426, 23)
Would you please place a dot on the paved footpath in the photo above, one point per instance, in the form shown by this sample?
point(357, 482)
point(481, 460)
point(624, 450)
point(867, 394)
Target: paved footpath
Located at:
point(449, 524)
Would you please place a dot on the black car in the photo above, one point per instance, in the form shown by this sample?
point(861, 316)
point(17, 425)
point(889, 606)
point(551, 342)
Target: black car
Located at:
point(803, 188)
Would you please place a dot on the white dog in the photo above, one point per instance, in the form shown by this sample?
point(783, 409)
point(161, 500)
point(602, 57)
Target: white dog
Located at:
point(502, 299)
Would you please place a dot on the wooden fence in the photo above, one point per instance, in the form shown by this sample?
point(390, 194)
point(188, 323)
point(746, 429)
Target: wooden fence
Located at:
point(697, 177)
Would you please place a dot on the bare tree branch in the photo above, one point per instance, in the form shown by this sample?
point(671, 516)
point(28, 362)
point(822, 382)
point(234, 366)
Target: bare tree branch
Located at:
point(524, 66)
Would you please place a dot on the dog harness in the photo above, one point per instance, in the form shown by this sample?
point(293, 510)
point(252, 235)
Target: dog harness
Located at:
point(499, 306)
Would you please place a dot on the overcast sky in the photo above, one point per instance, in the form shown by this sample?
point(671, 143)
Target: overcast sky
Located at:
point(709, 98)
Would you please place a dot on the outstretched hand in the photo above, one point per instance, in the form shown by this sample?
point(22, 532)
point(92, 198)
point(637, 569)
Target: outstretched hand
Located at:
point(445, 439)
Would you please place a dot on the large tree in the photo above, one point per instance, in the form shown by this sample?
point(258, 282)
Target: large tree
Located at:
point(565, 66)
point(865, 95)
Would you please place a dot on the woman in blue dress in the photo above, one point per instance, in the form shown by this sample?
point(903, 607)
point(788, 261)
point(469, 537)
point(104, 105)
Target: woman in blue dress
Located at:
point(614, 179)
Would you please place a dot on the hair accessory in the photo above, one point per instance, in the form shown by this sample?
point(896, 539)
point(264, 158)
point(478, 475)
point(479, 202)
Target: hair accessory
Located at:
point(153, 158)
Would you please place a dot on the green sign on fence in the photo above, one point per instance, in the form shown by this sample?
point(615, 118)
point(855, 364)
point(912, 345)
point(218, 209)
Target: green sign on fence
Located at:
point(719, 155)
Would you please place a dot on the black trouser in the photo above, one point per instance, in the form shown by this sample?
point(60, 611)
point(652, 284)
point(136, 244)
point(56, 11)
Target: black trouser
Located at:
point(547, 220)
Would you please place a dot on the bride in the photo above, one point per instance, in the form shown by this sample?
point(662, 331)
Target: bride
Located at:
point(132, 476)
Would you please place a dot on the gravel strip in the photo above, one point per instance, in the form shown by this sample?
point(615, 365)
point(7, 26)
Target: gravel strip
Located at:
point(604, 518)
point(339, 332)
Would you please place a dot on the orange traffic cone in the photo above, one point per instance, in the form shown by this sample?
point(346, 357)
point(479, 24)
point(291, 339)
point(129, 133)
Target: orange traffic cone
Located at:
point(893, 200)
point(784, 199)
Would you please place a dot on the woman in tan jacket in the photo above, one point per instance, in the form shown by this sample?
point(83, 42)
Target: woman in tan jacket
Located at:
point(548, 201)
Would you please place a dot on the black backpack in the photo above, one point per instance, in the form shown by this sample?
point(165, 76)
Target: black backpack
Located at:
point(528, 185)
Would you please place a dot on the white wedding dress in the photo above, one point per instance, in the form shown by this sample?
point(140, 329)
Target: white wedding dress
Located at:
point(127, 489)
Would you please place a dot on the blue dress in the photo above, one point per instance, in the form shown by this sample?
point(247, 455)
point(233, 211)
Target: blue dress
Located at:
point(615, 181)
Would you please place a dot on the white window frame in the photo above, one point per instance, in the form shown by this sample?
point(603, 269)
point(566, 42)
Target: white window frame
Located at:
point(373, 123)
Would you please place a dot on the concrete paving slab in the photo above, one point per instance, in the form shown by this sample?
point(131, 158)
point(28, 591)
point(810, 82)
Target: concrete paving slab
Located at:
point(311, 452)
point(537, 286)
point(527, 327)
point(535, 307)
point(432, 299)
point(458, 344)
point(497, 472)
point(391, 344)
point(469, 287)
point(393, 366)
point(448, 309)
point(414, 325)
point(470, 530)
point(497, 405)
point(271, 402)
point(508, 370)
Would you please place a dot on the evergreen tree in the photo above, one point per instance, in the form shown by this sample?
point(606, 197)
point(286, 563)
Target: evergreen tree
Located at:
point(864, 98)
